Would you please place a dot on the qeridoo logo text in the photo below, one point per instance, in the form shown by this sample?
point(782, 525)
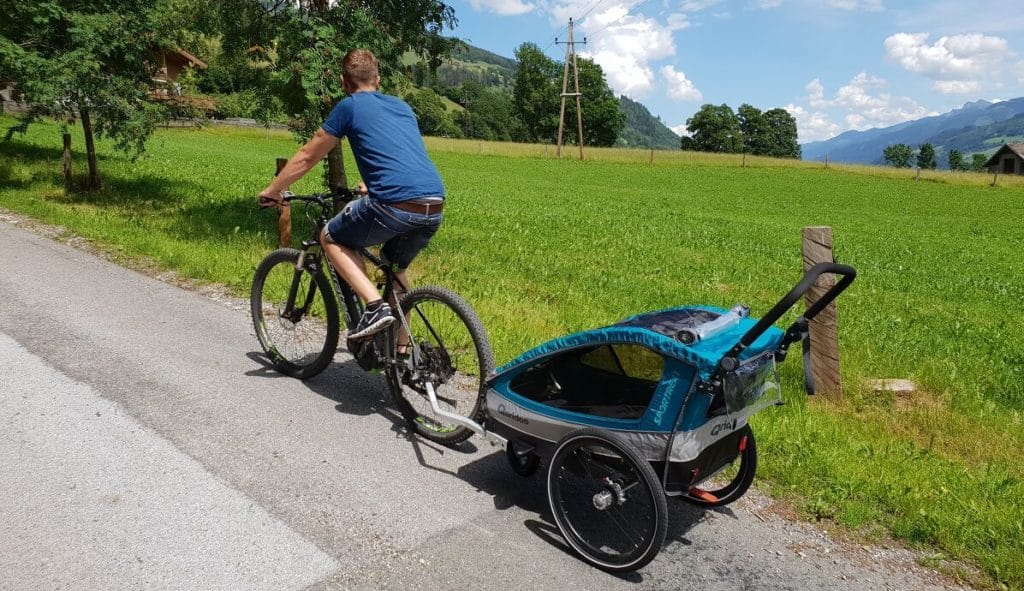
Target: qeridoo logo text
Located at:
point(513, 414)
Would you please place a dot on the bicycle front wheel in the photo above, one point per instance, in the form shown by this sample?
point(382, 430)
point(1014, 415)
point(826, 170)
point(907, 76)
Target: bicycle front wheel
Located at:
point(295, 313)
point(454, 355)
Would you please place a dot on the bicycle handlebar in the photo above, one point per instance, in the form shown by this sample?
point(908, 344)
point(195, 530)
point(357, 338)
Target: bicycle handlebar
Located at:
point(320, 198)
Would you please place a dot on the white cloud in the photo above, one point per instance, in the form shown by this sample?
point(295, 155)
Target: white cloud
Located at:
point(851, 5)
point(627, 43)
point(503, 7)
point(956, 86)
point(959, 64)
point(679, 88)
point(868, 5)
point(812, 126)
point(695, 5)
point(680, 129)
point(859, 104)
point(678, 21)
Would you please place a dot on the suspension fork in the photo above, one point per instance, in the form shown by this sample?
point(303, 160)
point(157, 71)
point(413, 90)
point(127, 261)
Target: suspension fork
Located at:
point(290, 311)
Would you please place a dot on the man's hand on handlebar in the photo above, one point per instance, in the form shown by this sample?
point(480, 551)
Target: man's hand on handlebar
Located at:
point(267, 199)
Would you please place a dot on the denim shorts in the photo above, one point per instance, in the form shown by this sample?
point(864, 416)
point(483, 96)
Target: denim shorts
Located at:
point(366, 222)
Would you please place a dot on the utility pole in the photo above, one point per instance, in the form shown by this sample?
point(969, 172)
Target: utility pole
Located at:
point(570, 53)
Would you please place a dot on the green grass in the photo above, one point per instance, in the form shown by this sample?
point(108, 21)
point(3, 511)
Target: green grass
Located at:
point(542, 247)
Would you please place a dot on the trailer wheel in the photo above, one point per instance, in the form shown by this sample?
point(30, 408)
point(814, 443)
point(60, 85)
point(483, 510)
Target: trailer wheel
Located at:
point(733, 481)
point(606, 500)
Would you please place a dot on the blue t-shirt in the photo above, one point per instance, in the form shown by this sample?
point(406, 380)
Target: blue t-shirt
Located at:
point(387, 146)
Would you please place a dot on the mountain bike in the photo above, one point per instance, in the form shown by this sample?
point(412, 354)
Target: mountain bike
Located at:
point(435, 358)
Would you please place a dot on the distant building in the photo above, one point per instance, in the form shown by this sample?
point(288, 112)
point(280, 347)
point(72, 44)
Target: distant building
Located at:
point(172, 64)
point(1007, 160)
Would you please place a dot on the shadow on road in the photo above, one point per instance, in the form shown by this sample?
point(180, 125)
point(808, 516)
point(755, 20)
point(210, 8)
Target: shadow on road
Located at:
point(346, 384)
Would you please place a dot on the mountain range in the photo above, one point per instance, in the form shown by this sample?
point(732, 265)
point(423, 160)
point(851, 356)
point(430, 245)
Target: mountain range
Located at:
point(977, 127)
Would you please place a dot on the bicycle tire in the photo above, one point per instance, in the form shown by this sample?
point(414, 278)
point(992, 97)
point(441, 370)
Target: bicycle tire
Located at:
point(728, 486)
point(607, 501)
point(461, 358)
point(303, 346)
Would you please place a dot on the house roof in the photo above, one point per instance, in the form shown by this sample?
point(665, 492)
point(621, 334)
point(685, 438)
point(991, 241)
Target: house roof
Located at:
point(1016, 149)
point(189, 57)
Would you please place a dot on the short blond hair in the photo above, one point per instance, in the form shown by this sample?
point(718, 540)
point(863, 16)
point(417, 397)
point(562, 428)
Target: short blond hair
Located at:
point(359, 67)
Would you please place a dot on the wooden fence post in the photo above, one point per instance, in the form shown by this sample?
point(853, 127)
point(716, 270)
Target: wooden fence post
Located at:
point(284, 215)
point(817, 248)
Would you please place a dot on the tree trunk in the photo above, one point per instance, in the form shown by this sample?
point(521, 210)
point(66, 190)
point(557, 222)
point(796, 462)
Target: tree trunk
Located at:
point(67, 163)
point(90, 150)
point(336, 178)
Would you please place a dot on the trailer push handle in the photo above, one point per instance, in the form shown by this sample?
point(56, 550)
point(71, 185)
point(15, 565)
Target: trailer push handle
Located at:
point(848, 273)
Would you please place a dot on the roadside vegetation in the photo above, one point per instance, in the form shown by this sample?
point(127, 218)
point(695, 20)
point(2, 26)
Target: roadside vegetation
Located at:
point(542, 247)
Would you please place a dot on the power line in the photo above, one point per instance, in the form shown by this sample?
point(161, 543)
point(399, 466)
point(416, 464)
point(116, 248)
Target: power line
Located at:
point(631, 10)
point(566, 28)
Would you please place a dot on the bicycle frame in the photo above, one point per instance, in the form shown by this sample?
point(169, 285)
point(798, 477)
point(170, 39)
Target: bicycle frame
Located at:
point(349, 300)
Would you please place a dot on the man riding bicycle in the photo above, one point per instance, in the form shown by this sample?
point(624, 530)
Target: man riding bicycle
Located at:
point(403, 207)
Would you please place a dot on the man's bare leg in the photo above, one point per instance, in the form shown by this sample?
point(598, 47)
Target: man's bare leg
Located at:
point(349, 264)
point(401, 285)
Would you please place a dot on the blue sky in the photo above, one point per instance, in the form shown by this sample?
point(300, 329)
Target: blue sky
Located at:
point(834, 64)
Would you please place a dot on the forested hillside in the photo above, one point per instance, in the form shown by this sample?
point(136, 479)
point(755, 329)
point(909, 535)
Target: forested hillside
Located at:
point(644, 130)
point(487, 73)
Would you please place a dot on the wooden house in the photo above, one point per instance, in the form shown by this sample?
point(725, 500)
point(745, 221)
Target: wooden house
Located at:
point(1007, 160)
point(172, 64)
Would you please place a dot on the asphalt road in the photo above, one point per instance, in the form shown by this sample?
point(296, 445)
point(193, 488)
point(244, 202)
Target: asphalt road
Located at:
point(145, 444)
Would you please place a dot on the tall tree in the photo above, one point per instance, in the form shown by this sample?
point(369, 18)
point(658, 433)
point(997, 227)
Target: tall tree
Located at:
point(431, 113)
point(602, 117)
point(956, 160)
point(898, 155)
point(90, 61)
point(781, 134)
point(978, 162)
point(771, 133)
point(926, 156)
point(302, 43)
point(536, 92)
point(755, 130)
point(716, 129)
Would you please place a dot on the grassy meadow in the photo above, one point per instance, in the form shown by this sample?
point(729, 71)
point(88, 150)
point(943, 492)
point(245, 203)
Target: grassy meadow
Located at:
point(542, 247)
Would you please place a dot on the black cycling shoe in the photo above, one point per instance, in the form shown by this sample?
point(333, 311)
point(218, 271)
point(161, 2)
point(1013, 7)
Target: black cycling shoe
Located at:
point(372, 322)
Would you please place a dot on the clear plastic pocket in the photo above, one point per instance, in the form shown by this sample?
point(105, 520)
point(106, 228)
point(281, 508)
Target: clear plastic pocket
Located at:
point(753, 385)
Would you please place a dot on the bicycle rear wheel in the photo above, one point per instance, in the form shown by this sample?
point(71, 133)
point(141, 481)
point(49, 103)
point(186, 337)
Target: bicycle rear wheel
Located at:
point(455, 356)
point(295, 313)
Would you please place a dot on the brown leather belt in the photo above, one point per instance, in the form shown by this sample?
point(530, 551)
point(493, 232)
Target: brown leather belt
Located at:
point(414, 207)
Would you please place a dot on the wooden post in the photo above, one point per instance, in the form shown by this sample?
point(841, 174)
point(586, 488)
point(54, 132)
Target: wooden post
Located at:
point(918, 177)
point(652, 155)
point(995, 178)
point(817, 248)
point(284, 215)
point(67, 163)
